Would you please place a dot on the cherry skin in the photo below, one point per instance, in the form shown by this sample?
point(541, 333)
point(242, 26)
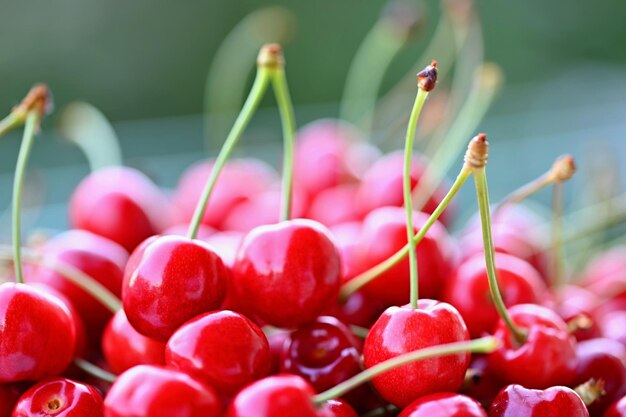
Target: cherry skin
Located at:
point(572, 302)
point(401, 330)
point(546, 358)
point(604, 274)
point(335, 205)
point(121, 204)
point(336, 408)
point(277, 339)
point(34, 324)
point(517, 401)
point(482, 385)
point(444, 404)
point(280, 395)
point(287, 273)
point(226, 244)
point(151, 391)
point(383, 234)
point(617, 409)
point(169, 280)
point(468, 289)
point(96, 256)
point(9, 394)
point(358, 309)
point(60, 397)
point(323, 352)
point(222, 348)
point(123, 347)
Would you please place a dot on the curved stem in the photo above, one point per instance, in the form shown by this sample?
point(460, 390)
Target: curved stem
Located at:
point(94, 370)
point(483, 345)
point(288, 120)
point(12, 121)
point(362, 279)
point(420, 99)
point(482, 194)
point(33, 118)
point(525, 191)
point(252, 103)
point(557, 235)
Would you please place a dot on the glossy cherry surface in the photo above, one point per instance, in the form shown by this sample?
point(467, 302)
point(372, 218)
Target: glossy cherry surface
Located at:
point(335, 205)
point(150, 391)
point(336, 408)
point(468, 289)
point(34, 324)
point(60, 397)
point(401, 330)
point(517, 401)
point(617, 409)
point(288, 273)
point(223, 348)
point(546, 358)
point(444, 404)
point(121, 204)
point(280, 395)
point(123, 347)
point(169, 280)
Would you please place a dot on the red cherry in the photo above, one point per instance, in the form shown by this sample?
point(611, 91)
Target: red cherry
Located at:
point(336, 408)
point(34, 324)
point(223, 348)
point(60, 397)
point(96, 256)
point(483, 385)
point(280, 395)
point(604, 274)
point(169, 280)
point(444, 404)
point(617, 409)
point(9, 394)
point(517, 401)
point(123, 347)
point(546, 358)
point(226, 244)
point(384, 233)
point(121, 204)
point(157, 392)
point(346, 237)
point(358, 309)
point(287, 273)
point(277, 338)
point(468, 289)
point(335, 205)
point(404, 329)
point(573, 301)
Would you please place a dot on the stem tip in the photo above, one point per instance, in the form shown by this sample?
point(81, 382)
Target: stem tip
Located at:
point(271, 56)
point(564, 168)
point(38, 98)
point(427, 78)
point(477, 151)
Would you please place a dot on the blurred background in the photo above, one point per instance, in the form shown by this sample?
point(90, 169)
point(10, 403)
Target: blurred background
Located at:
point(560, 81)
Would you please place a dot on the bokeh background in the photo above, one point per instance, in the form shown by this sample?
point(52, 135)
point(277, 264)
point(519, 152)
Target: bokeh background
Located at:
point(144, 64)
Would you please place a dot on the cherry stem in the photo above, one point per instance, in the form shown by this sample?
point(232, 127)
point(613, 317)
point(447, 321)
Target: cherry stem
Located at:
point(482, 194)
point(12, 121)
point(261, 81)
point(557, 235)
point(591, 391)
point(483, 345)
point(94, 370)
point(358, 331)
point(33, 117)
point(288, 121)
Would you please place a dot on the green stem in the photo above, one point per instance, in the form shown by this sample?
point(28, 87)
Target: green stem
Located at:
point(288, 120)
point(364, 278)
point(420, 99)
point(94, 370)
point(482, 194)
point(524, 192)
point(12, 121)
point(252, 103)
point(32, 122)
point(483, 345)
point(557, 234)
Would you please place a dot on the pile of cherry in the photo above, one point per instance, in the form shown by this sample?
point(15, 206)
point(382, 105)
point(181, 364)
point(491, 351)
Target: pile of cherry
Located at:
point(251, 313)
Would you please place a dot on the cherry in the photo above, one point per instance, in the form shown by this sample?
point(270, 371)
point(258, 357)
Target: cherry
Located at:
point(121, 204)
point(517, 401)
point(480, 382)
point(123, 347)
point(226, 244)
point(574, 302)
point(34, 324)
point(468, 289)
point(280, 395)
point(334, 205)
point(9, 394)
point(604, 274)
point(547, 357)
point(277, 339)
point(359, 310)
point(404, 329)
point(444, 404)
point(323, 352)
point(336, 408)
point(287, 273)
point(617, 409)
point(147, 390)
point(346, 237)
point(223, 348)
point(60, 397)
point(169, 280)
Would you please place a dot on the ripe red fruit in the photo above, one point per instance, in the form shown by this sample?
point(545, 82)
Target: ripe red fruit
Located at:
point(158, 392)
point(335, 205)
point(34, 324)
point(121, 204)
point(444, 404)
point(401, 330)
point(336, 408)
point(169, 280)
point(287, 273)
point(60, 397)
point(617, 409)
point(280, 395)
point(123, 347)
point(546, 358)
point(9, 394)
point(517, 401)
point(223, 348)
